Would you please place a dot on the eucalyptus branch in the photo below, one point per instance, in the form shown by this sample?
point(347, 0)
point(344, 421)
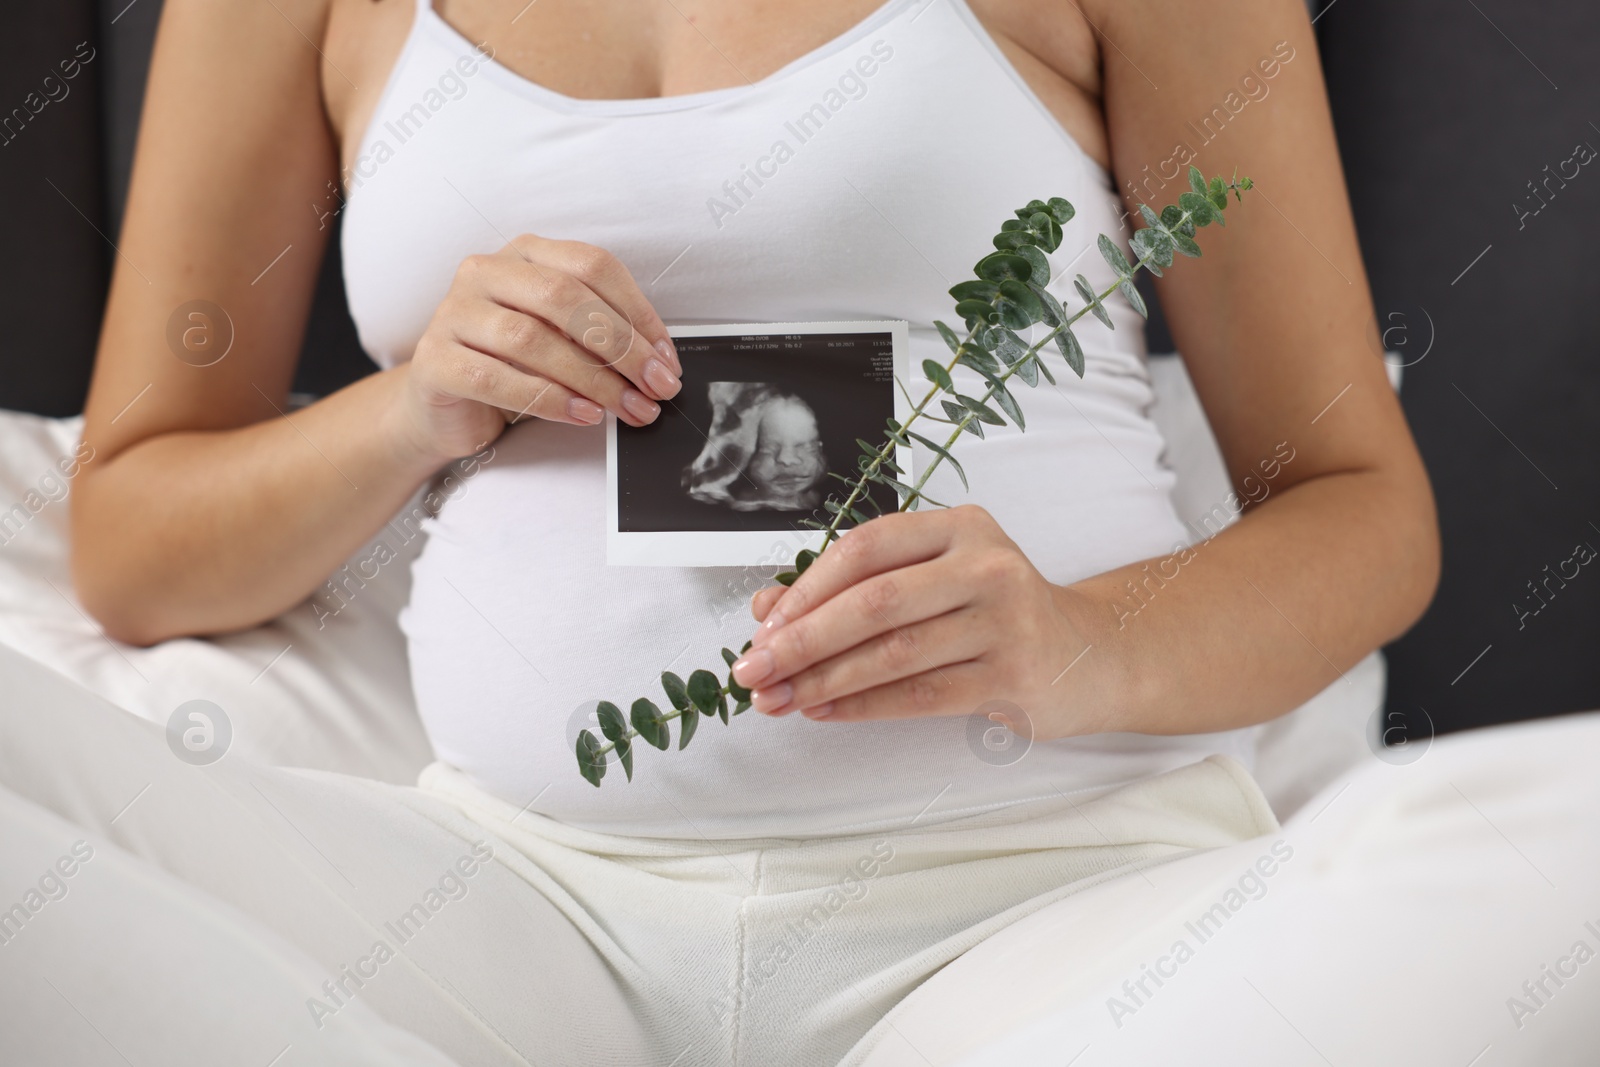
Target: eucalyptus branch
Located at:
point(1007, 296)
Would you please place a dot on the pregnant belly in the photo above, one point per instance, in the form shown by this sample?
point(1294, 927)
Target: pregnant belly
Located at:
point(517, 627)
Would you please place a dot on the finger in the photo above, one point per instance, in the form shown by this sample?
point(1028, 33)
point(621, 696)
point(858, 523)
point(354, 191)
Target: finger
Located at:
point(898, 653)
point(954, 689)
point(570, 306)
point(611, 280)
point(472, 375)
point(885, 543)
point(534, 346)
point(762, 602)
point(882, 604)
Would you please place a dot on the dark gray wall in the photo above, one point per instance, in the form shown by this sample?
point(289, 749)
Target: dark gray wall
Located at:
point(54, 261)
point(1446, 110)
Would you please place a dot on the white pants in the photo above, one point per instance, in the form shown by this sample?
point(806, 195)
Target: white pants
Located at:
point(239, 913)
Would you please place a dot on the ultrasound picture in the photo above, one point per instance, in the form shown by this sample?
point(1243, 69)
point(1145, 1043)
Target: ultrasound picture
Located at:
point(742, 454)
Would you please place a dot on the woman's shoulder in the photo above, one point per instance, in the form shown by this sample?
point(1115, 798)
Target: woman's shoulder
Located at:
point(361, 40)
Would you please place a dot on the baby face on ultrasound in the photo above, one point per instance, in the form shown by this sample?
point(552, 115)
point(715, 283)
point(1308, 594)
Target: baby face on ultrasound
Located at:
point(763, 451)
point(788, 460)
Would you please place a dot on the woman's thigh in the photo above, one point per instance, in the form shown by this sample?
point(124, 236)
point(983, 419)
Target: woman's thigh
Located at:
point(393, 894)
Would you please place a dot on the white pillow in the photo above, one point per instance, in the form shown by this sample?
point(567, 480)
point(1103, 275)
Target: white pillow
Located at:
point(313, 688)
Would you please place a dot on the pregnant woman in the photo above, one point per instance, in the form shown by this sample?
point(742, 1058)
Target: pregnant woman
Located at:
point(965, 714)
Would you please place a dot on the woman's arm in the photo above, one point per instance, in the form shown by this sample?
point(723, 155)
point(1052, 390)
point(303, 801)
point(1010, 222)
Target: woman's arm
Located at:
point(936, 613)
point(1275, 326)
point(206, 507)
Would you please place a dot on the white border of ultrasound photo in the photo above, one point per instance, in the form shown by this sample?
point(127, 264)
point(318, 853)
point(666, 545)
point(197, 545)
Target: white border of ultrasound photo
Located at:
point(745, 548)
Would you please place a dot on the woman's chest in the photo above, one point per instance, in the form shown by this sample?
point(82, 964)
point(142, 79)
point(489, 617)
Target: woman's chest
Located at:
point(636, 49)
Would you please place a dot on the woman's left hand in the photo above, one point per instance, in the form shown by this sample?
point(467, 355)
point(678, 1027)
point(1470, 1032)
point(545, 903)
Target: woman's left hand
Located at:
point(912, 615)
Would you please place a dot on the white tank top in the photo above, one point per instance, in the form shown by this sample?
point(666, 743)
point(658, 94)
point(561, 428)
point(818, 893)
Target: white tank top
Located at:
point(856, 183)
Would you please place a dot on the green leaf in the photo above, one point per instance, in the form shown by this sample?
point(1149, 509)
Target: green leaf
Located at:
point(1172, 219)
point(1029, 210)
point(1197, 181)
point(1014, 240)
point(687, 723)
point(998, 266)
point(1054, 314)
point(1003, 397)
point(1067, 341)
point(747, 646)
point(705, 689)
point(943, 453)
point(1040, 265)
point(1131, 294)
point(1186, 244)
point(612, 724)
point(624, 752)
point(1023, 296)
point(973, 290)
point(804, 559)
point(743, 706)
point(1046, 230)
point(729, 656)
point(958, 414)
point(977, 309)
point(1044, 370)
point(1218, 195)
point(948, 334)
point(1155, 248)
point(1014, 351)
point(647, 720)
point(785, 577)
point(1089, 297)
point(591, 764)
point(1113, 255)
point(1199, 208)
point(737, 691)
point(1149, 215)
point(1061, 209)
point(904, 392)
point(937, 374)
point(983, 411)
point(978, 360)
point(677, 695)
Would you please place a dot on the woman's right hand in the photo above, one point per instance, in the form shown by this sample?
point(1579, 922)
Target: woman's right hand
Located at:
point(555, 330)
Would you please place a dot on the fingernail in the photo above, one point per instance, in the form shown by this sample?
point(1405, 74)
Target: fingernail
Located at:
point(659, 378)
point(584, 411)
point(774, 699)
point(757, 664)
point(639, 406)
point(770, 624)
point(670, 354)
point(821, 711)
